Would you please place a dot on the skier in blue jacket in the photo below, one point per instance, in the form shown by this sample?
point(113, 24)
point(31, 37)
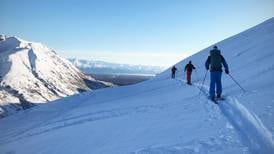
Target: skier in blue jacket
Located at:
point(214, 62)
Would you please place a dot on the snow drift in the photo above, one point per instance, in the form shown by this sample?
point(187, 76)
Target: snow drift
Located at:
point(162, 115)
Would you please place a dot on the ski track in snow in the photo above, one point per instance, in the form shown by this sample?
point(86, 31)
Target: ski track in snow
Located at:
point(249, 127)
point(51, 124)
point(200, 146)
point(88, 117)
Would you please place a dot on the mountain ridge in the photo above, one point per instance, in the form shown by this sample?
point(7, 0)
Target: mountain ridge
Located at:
point(33, 73)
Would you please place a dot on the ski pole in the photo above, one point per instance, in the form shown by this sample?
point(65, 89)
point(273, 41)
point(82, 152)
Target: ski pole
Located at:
point(203, 82)
point(196, 75)
point(184, 75)
point(237, 83)
point(204, 77)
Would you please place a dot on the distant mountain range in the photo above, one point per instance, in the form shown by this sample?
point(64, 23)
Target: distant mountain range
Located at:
point(101, 67)
point(33, 73)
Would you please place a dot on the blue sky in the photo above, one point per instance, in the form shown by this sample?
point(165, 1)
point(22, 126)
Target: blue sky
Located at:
point(152, 32)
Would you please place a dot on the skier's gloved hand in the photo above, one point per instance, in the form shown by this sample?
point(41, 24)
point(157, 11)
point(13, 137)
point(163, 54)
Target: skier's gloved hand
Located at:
point(226, 71)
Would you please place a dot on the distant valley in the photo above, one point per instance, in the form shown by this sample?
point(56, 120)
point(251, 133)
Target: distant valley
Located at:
point(102, 67)
point(121, 80)
point(118, 74)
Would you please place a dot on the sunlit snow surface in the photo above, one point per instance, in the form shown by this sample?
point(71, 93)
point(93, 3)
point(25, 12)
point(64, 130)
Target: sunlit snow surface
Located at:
point(162, 115)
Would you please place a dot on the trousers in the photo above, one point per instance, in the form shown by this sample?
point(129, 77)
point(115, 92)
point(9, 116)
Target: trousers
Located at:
point(188, 76)
point(215, 82)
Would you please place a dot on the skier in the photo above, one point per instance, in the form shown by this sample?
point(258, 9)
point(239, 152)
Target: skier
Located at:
point(173, 70)
point(215, 61)
point(188, 69)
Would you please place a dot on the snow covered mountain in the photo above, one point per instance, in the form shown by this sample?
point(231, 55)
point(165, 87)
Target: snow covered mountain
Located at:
point(32, 73)
point(162, 115)
point(101, 67)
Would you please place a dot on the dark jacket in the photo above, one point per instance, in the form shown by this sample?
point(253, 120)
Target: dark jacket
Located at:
point(189, 67)
point(215, 61)
point(174, 69)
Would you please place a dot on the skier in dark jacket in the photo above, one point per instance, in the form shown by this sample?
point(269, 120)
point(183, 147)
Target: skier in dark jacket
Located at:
point(214, 62)
point(173, 71)
point(188, 69)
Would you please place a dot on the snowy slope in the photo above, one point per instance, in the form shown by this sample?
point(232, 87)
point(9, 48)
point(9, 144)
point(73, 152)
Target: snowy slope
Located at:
point(162, 115)
point(33, 73)
point(101, 67)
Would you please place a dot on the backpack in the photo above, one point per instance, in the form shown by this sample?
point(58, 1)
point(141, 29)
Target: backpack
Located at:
point(215, 60)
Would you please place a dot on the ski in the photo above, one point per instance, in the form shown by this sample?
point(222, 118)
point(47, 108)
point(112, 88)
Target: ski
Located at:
point(217, 100)
point(214, 101)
